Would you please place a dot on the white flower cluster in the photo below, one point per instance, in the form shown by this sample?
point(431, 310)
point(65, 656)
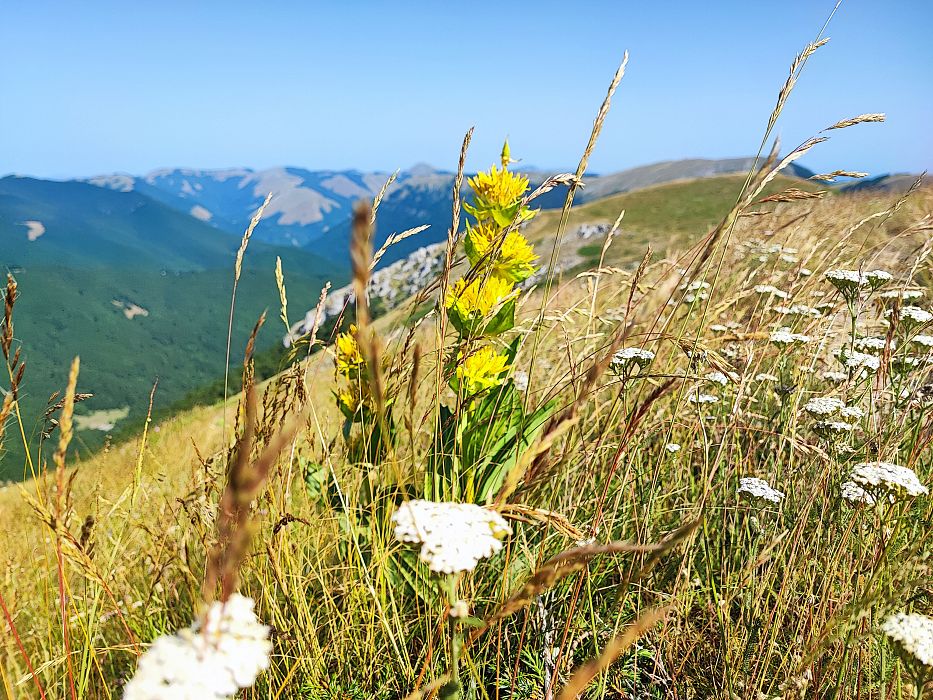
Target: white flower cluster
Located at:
point(872, 345)
point(696, 291)
point(885, 476)
point(924, 341)
point(799, 310)
point(672, 447)
point(823, 406)
point(454, 537)
point(852, 413)
point(209, 661)
point(903, 294)
point(703, 398)
point(759, 488)
point(783, 337)
point(771, 290)
point(911, 315)
point(717, 378)
point(912, 634)
point(624, 359)
point(833, 428)
point(834, 377)
point(878, 278)
point(849, 282)
point(846, 281)
point(520, 377)
point(853, 493)
point(765, 377)
point(858, 361)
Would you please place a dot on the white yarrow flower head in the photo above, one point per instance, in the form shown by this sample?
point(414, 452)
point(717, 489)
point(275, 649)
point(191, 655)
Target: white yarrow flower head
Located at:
point(911, 315)
point(783, 337)
point(848, 282)
point(888, 478)
point(833, 429)
point(209, 661)
point(672, 447)
point(760, 489)
point(853, 493)
point(799, 310)
point(717, 378)
point(823, 406)
point(872, 345)
point(454, 537)
point(771, 290)
point(695, 291)
point(627, 359)
point(903, 294)
point(520, 377)
point(905, 363)
point(878, 278)
point(912, 634)
point(924, 341)
point(852, 413)
point(700, 399)
point(834, 377)
point(858, 361)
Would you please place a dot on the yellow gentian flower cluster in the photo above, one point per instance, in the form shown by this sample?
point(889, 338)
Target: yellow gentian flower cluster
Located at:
point(482, 370)
point(478, 299)
point(500, 257)
point(352, 400)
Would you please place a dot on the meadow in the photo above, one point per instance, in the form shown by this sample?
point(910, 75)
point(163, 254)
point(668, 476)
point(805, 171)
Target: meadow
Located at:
point(690, 463)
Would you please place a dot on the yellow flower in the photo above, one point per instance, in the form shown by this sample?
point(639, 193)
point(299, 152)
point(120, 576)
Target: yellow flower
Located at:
point(350, 403)
point(515, 258)
point(482, 370)
point(478, 299)
point(347, 354)
point(498, 196)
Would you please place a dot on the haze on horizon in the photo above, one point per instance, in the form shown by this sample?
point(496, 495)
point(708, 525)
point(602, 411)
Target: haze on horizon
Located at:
point(379, 86)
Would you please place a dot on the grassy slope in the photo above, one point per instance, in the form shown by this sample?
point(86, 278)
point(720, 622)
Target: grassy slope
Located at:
point(666, 217)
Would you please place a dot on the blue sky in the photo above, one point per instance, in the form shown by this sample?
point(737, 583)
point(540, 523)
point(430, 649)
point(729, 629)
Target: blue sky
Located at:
point(103, 86)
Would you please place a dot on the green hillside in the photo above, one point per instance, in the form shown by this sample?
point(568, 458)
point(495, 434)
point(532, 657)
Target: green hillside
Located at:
point(141, 292)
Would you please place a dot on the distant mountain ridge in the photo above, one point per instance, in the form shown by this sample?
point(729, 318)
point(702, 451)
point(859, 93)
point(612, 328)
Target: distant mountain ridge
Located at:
point(311, 208)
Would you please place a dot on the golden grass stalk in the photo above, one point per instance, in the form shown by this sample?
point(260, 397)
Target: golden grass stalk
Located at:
point(283, 297)
point(237, 270)
point(860, 119)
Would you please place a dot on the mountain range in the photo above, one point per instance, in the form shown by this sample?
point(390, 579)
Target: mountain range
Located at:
point(311, 209)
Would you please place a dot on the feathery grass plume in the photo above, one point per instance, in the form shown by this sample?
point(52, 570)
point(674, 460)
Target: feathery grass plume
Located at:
point(283, 297)
point(138, 473)
point(393, 239)
point(831, 177)
point(860, 119)
point(237, 270)
point(792, 194)
point(9, 300)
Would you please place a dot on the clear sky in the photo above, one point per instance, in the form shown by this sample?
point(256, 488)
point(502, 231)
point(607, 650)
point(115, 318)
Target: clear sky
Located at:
point(101, 86)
